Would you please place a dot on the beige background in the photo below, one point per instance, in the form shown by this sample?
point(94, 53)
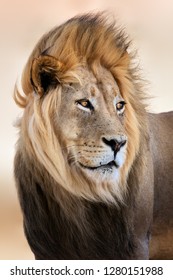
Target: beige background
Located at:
point(150, 25)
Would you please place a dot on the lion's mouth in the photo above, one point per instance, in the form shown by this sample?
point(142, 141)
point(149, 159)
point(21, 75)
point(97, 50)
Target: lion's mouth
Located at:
point(110, 165)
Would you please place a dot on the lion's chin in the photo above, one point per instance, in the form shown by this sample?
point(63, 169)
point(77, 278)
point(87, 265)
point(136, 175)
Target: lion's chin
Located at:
point(106, 172)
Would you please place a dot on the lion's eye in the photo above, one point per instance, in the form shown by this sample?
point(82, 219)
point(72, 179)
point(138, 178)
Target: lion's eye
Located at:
point(86, 104)
point(120, 105)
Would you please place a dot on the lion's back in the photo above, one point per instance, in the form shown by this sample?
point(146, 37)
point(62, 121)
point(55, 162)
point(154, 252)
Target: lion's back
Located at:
point(161, 145)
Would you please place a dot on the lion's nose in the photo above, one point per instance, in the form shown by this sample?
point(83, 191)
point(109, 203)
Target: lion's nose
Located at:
point(115, 143)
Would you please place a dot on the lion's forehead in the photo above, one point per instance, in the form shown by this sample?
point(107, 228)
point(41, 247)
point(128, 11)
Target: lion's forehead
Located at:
point(94, 84)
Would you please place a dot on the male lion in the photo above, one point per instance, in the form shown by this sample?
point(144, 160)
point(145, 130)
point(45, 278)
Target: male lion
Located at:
point(93, 168)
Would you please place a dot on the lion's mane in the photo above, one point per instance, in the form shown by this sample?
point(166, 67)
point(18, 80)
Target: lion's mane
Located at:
point(90, 40)
point(43, 176)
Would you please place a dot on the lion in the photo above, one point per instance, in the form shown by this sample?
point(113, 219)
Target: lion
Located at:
point(93, 167)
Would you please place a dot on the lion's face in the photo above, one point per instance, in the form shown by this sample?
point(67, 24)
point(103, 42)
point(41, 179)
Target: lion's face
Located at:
point(91, 121)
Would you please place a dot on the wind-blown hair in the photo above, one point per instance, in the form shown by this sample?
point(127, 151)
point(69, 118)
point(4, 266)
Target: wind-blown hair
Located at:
point(84, 40)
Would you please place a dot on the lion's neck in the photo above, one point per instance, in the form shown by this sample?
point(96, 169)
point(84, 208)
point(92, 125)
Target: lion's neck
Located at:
point(69, 227)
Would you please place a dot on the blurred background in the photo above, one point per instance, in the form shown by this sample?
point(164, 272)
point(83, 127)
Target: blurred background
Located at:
point(149, 24)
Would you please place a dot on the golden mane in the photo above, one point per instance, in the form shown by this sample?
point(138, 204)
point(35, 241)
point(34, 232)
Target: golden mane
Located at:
point(84, 40)
point(87, 39)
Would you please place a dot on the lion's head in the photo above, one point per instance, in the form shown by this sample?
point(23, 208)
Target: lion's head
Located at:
point(83, 108)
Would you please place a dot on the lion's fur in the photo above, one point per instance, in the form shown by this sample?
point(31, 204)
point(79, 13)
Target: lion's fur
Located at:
point(43, 175)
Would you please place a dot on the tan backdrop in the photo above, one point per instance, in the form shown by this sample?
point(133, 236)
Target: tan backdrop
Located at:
point(150, 25)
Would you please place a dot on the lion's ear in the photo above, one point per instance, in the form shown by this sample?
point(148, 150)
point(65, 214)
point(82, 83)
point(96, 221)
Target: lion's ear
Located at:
point(45, 72)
